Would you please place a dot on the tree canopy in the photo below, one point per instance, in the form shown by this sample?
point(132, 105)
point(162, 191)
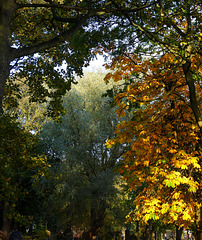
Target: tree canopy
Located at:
point(38, 37)
point(156, 47)
point(163, 91)
point(88, 194)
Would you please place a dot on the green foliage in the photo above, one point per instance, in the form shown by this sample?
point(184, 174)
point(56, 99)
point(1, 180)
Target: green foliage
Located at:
point(20, 165)
point(86, 193)
point(67, 34)
point(17, 103)
point(40, 233)
point(37, 40)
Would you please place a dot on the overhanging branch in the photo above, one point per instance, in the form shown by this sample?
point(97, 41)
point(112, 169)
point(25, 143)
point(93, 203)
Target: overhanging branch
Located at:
point(25, 51)
point(84, 9)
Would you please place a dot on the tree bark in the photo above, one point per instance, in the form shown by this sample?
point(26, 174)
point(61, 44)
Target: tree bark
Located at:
point(192, 94)
point(199, 225)
point(7, 9)
point(198, 118)
point(8, 53)
point(147, 232)
point(25, 51)
point(178, 233)
point(6, 222)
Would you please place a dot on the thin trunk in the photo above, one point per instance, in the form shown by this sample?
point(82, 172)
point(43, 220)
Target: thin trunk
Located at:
point(98, 209)
point(192, 94)
point(6, 222)
point(147, 232)
point(127, 234)
point(199, 226)
point(178, 233)
point(198, 118)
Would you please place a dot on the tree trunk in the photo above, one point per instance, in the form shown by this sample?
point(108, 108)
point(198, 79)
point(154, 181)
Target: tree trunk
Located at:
point(178, 233)
point(147, 232)
point(198, 118)
point(7, 8)
point(199, 225)
point(6, 222)
point(192, 94)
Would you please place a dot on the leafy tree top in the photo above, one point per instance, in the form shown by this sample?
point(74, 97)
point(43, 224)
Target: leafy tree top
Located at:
point(39, 36)
point(162, 160)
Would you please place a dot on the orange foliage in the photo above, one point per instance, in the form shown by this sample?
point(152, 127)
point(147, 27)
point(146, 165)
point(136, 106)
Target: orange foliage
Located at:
point(163, 138)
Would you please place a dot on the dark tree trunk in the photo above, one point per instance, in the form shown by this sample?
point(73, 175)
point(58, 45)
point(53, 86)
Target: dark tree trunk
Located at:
point(7, 8)
point(127, 234)
point(198, 117)
point(199, 226)
point(6, 222)
point(147, 232)
point(192, 94)
point(178, 233)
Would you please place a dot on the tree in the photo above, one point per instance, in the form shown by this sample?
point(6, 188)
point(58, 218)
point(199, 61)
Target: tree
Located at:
point(39, 36)
point(163, 138)
point(161, 25)
point(168, 35)
point(31, 115)
point(20, 165)
point(142, 27)
point(86, 191)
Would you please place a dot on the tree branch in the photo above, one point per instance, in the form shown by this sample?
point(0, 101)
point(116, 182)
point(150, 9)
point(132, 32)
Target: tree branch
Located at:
point(192, 94)
point(149, 34)
point(170, 22)
point(17, 53)
point(80, 9)
point(59, 18)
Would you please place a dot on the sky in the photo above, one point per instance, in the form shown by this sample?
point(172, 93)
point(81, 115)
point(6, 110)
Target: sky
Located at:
point(96, 64)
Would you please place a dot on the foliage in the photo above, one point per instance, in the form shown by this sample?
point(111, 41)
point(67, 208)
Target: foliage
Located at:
point(66, 32)
point(84, 197)
point(40, 233)
point(41, 36)
point(17, 103)
point(20, 166)
point(163, 91)
point(163, 139)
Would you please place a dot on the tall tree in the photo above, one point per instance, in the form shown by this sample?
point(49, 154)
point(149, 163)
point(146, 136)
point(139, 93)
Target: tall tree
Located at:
point(88, 185)
point(154, 27)
point(58, 37)
point(172, 33)
point(163, 138)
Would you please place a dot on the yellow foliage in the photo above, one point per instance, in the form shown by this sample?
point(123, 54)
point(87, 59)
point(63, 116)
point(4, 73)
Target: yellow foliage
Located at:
point(162, 139)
